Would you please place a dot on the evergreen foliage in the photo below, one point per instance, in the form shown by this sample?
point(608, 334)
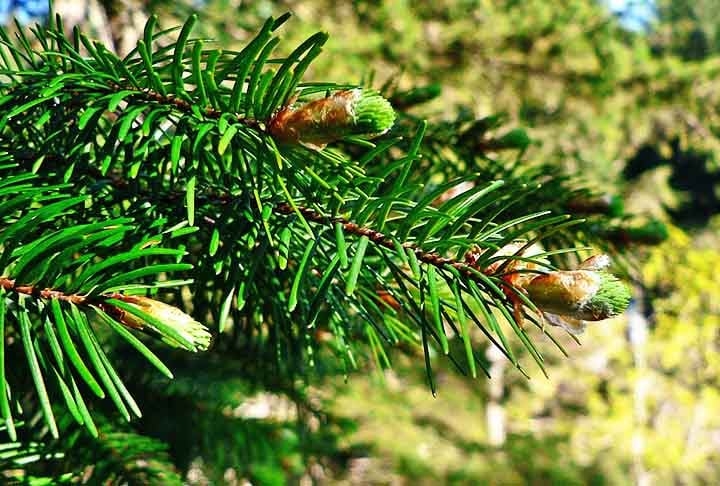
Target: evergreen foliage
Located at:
point(138, 191)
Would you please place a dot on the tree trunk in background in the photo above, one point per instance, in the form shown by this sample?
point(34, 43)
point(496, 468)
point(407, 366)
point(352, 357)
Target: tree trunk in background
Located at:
point(496, 428)
point(637, 335)
point(119, 26)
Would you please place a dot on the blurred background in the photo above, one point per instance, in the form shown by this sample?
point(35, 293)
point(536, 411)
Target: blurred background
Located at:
point(621, 93)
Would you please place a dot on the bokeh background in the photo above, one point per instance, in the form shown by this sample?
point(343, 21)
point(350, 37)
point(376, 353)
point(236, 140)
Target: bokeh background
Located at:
point(624, 95)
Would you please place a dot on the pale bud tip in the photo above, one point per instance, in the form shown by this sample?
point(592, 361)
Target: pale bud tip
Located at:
point(611, 298)
point(358, 112)
point(191, 334)
point(580, 294)
point(373, 114)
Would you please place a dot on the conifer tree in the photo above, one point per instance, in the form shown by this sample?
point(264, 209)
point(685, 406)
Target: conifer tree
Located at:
point(186, 223)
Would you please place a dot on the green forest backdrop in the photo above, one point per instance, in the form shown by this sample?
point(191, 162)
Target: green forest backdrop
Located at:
point(633, 112)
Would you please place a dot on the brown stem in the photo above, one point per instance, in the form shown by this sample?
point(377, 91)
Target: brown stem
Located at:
point(431, 258)
point(380, 239)
point(182, 105)
point(9, 285)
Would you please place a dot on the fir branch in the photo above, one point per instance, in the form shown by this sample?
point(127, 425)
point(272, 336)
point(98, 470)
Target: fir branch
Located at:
point(133, 311)
point(10, 285)
point(121, 313)
point(184, 106)
point(224, 138)
point(431, 258)
point(312, 215)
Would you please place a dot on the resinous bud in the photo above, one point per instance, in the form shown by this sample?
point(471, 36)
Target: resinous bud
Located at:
point(581, 294)
point(343, 113)
point(185, 325)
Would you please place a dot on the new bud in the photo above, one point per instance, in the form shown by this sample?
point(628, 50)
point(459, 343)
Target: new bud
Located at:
point(581, 294)
point(185, 325)
point(343, 113)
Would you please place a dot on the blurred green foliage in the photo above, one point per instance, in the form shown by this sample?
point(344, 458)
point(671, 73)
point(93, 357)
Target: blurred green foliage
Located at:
point(633, 112)
point(598, 100)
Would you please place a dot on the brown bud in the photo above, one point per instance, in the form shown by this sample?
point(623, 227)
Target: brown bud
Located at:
point(581, 294)
point(343, 113)
point(185, 325)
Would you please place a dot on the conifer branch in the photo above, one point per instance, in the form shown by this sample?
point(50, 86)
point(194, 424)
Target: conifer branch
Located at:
point(10, 285)
point(379, 238)
point(148, 94)
point(314, 216)
point(225, 139)
point(123, 310)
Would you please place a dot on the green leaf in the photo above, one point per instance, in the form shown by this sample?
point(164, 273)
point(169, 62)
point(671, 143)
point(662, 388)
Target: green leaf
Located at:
point(71, 351)
point(94, 353)
point(91, 274)
point(145, 54)
point(127, 120)
point(190, 199)
point(494, 325)
point(115, 378)
point(198, 73)
point(302, 267)
point(175, 147)
point(357, 262)
point(61, 239)
point(136, 274)
point(4, 388)
point(24, 321)
point(177, 65)
point(515, 326)
point(284, 247)
point(135, 343)
point(87, 420)
point(464, 332)
point(33, 218)
point(67, 396)
point(226, 139)
point(55, 347)
point(428, 366)
point(282, 84)
point(116, 99)
point(321, 295)
point(252, 100)
point(243, 62)
point(414, 263)
point(435, 307)
point(225, 309)
point(214, 242)
point(341, 246)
